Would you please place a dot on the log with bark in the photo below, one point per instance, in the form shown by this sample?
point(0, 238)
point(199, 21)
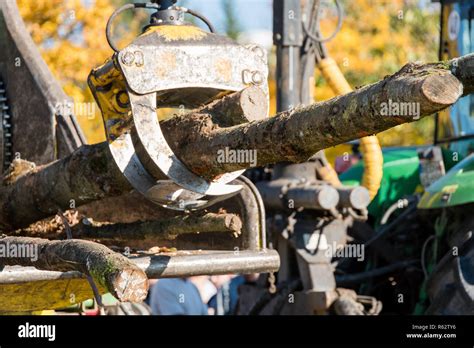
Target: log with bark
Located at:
point(90, 173)
point(113, 271)
point(139, 235)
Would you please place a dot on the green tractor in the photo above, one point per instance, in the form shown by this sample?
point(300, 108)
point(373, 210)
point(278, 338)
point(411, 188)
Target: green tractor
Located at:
point(425, 204)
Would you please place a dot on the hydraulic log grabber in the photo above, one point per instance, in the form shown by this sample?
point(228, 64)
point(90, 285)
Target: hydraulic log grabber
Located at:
point(171, 64)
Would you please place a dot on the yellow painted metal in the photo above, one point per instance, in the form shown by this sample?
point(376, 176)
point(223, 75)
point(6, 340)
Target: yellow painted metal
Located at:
point(110, 92)
point(34, 297)
point(177, 32)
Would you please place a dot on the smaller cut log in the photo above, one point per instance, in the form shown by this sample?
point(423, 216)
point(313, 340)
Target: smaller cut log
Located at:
point(121, 277)
point(158, 230)
point(164, 229)
point(250, 104)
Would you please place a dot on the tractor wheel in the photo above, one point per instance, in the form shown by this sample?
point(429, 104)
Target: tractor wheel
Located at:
point(451, 286)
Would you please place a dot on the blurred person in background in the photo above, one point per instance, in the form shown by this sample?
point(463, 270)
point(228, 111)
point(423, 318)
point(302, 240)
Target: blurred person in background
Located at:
point(227, 297)
point(178, 296)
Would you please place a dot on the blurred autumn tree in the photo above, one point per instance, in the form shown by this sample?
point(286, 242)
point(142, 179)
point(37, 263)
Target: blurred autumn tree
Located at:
point(71, 37)
point(377, 38)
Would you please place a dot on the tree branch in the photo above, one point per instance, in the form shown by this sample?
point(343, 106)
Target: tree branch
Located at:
point(149, 233)
point(121, 277)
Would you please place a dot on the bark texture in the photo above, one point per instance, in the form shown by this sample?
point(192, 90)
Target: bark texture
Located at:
point(164, 229)
point(121, 277)
point(297, 134)
point(148, 231)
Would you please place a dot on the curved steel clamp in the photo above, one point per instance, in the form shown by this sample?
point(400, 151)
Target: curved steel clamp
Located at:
point(184, 190)
point(170, 66)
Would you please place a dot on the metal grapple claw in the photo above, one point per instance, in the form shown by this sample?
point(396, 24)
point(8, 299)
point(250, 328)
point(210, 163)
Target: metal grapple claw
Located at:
point(172, 64)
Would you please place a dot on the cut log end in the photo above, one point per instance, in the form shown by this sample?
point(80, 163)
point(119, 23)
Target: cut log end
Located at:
point(130, 285)
point(253, 103)
point(233, 223)
point(120, 276)
point(442, 89)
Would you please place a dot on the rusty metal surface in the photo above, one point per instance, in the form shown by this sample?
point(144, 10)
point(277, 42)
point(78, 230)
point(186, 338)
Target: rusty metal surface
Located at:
point(240, 262)
point(205, 63)
point(39, 133)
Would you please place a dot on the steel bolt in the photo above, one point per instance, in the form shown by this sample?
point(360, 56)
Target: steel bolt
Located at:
point(128, 58)
point(246, 76)
point(257, 78)
point(139, 58)
point(257, 50)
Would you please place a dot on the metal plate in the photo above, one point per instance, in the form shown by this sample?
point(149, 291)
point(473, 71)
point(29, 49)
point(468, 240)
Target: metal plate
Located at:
point(151, 69)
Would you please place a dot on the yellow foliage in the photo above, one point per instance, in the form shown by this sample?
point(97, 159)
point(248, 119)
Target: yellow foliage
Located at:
point(71, 37)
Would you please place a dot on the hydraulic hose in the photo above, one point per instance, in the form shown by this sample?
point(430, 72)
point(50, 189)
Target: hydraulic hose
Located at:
point(369, 146)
